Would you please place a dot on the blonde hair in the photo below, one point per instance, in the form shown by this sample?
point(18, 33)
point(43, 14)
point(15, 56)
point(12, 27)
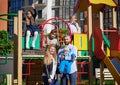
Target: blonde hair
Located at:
point(66, 48)
point(47, 56)
point(71, 15)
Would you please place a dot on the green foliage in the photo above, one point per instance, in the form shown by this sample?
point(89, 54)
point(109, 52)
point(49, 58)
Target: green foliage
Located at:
point(3, 37)
point(64, 31)
point(6, 45)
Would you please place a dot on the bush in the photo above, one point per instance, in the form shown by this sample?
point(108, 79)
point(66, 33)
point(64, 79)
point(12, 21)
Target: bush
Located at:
point(64, 31)
point(6, 45)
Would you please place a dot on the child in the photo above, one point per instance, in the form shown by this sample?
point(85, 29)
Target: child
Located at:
point(66, 60)
point(32, 28)
point(51, 39)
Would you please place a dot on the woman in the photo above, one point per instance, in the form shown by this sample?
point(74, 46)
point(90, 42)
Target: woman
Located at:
point(50, 65)
point(32, 28)
point(74, 27)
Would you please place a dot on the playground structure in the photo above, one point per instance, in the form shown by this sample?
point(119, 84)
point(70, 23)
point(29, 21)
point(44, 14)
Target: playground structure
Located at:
point(82, 42)
point(96, 7)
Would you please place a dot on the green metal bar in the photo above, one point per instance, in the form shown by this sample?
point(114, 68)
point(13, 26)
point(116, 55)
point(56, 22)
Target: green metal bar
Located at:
point(106, 40)
point(4, 76)
point(6, 19)
point(10, 14)
point(6, 58)
point(93, 46)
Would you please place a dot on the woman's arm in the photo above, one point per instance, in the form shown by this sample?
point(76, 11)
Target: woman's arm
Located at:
point(53, 70)
point(35, 13)
point(47, 72)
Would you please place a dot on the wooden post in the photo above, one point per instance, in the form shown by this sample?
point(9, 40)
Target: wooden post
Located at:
point(102, 63)
point(114, 25)
point(78, 16)
point(101, 73)
point(9, 79)
point(89, 43)
point(114, 18)
point(19, 47)
point(15, 50)
point(101, 20)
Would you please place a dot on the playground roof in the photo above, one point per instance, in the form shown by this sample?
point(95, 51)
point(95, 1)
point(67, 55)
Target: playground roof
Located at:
point(97, 5)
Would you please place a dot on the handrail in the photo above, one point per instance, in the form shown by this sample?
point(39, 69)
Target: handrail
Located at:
point(10, 14)
point(28, 69)
point(106, 40)
point(6, 19)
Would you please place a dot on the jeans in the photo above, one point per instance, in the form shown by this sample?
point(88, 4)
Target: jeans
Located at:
point(72, 78)
point(45, 80)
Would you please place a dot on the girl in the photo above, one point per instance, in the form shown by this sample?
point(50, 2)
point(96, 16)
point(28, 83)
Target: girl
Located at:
point(50, 65)
point(32, 28)
point(52, 38)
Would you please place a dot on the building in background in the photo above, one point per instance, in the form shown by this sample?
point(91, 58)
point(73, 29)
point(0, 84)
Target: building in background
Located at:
point(46, 9)
point(3, 10)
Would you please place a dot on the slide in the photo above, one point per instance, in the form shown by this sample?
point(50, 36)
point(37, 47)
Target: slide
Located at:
point(113, 61)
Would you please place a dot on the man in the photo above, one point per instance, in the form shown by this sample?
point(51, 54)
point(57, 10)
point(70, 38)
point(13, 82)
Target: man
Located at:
point(72, 74)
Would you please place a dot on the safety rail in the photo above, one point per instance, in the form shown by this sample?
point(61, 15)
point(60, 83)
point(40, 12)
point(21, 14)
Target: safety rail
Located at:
point(28, 70)
point(82, 61)
point(3, 79)
point(10, 14)
point(107, 74)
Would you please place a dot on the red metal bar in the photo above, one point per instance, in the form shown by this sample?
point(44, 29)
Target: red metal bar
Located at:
point(28, 70)
point(82, 72)
point(47, 21)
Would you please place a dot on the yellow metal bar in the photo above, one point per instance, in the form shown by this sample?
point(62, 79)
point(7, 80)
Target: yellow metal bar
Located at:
point(108, 52)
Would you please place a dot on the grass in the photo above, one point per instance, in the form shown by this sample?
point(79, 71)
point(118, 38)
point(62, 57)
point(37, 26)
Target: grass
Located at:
point(106, 82)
